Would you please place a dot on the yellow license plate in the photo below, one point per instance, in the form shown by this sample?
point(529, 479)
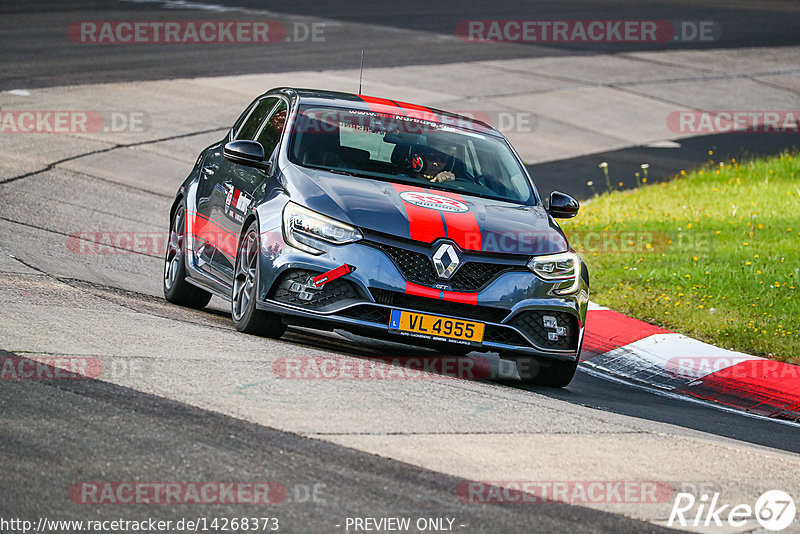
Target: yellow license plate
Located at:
point(435, 326)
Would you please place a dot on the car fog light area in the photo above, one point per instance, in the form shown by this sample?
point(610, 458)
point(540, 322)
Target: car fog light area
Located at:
point(304, 229)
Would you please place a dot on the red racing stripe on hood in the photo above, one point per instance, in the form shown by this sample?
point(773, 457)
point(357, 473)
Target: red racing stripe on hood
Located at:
point(463, 228)
point(424, 224)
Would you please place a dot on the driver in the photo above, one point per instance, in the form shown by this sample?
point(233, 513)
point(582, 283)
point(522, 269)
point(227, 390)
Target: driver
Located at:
point(432, 164)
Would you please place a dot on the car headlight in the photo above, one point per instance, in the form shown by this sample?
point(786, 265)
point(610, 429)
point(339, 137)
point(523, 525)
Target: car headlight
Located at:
point(564, 267)
point(304, 229)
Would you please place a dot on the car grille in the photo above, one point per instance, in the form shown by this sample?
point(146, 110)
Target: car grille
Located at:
point(531, 322)
point(368, 313)
point(441, 307)
point(332, 292)
point(417, 267)
point(506, 336)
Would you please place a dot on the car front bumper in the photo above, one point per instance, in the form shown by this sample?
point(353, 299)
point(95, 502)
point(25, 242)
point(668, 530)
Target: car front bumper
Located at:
point(512, 304)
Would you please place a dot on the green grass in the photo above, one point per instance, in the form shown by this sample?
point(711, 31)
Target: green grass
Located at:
point(714, 254)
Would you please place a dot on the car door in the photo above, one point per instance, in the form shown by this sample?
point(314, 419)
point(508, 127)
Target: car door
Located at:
point(216, 237)
point(241, 186)
point(246, 186)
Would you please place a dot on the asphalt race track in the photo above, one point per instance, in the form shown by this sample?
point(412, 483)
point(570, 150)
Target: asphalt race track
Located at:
point(184, 397)
point(393, 33)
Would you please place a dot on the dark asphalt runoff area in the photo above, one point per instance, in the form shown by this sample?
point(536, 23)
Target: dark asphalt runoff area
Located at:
point(56, 434)
point(574, 174)
point(37, 51)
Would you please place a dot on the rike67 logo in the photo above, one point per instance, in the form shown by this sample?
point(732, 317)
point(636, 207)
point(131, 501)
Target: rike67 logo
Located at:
point(775, 510)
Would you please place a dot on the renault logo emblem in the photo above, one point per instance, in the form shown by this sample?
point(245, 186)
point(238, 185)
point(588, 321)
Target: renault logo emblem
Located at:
point(446, 260)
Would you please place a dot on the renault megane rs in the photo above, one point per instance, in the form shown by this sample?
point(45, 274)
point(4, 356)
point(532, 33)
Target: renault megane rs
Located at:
point(382, 218)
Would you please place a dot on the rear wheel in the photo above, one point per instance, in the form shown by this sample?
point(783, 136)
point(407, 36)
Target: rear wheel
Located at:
point(245, 316)
point(544, 371)
point(176, 289)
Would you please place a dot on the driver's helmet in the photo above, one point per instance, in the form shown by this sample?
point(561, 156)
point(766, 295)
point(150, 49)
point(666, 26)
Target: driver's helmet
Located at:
point(429, 161)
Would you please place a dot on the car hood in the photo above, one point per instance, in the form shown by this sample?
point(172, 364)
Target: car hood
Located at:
point(411, 212)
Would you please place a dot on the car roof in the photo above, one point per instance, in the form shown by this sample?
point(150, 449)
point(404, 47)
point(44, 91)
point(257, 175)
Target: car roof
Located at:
point(383, 105)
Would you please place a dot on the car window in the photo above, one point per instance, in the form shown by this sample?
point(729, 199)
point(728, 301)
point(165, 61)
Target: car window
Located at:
point(238, 124)
point(372, 142)
point(272, 129)
point(255, 118)
point(437, 154)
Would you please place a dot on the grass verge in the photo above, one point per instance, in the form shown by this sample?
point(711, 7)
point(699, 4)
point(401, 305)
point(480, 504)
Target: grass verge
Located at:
point(714, 254)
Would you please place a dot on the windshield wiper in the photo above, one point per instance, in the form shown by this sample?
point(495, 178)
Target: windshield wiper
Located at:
point(339, 171)
point(343, 172)
point(459, 190)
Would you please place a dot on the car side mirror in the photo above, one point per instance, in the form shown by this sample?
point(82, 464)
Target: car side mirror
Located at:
point(561, 206)
point(245, 152)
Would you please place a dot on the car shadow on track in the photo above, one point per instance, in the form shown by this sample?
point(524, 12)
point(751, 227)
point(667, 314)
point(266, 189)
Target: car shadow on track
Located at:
point(588, 390)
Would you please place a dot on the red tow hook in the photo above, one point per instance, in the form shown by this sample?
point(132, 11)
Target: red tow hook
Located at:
point(333, 274)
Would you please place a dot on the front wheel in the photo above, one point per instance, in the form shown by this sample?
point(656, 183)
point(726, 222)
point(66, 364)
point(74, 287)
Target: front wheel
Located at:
point(176, 289)
point(544, 371)
point(246, 316)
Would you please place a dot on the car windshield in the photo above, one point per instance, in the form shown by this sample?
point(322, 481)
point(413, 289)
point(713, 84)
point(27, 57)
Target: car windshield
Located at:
point(435, 154)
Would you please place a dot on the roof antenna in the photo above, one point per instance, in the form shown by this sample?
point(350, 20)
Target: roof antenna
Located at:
point(361, 72)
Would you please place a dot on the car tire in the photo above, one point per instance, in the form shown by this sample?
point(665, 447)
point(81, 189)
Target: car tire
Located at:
point(544, 371)
point(246, 316)
point(176, 289)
